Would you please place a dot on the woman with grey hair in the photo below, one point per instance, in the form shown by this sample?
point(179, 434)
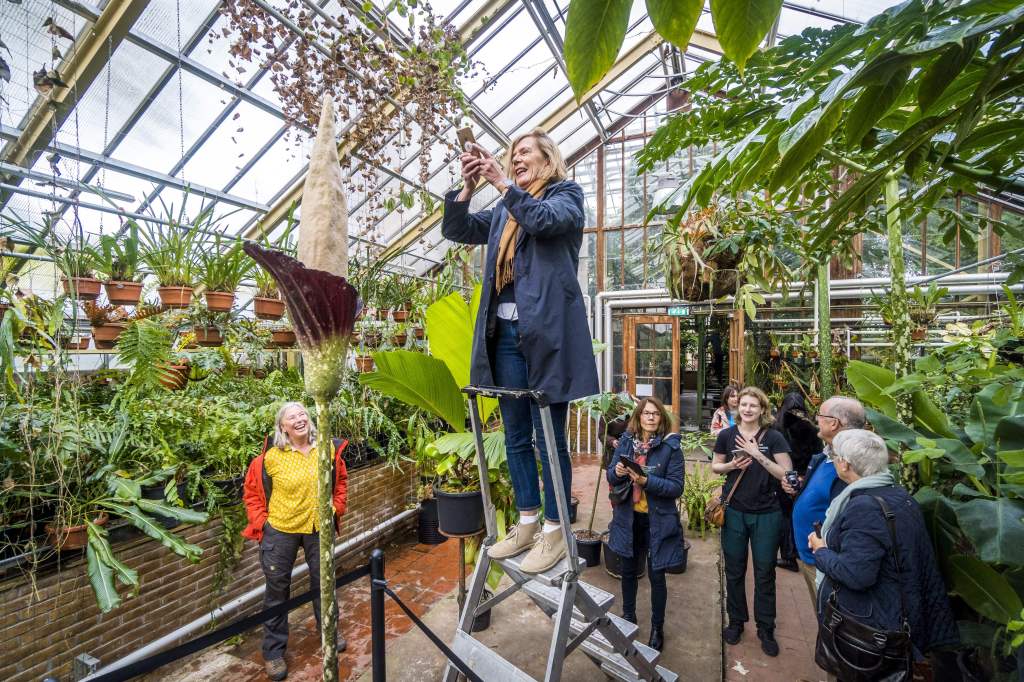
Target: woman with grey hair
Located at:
point(857, 552)
point(281, 502)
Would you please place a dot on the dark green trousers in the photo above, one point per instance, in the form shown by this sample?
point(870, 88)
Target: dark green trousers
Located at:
point(761, 533)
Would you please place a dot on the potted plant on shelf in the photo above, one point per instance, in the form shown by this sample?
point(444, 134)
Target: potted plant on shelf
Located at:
point(169, 250)
point(119, 262)
point(108, 322)
point(923, 308)
point(220, 271)
point(402, 294)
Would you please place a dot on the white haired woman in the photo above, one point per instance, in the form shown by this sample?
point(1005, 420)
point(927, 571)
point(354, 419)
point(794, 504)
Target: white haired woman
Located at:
point(531, 328)
point(281, 502)
point(856, 553)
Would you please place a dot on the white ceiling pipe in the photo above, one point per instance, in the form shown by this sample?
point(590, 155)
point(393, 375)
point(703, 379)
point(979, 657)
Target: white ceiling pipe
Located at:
point(236, 603)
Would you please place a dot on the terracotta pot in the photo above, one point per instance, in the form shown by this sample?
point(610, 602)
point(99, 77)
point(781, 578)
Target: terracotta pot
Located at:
point(105, 335)
point(382, 314)
point(219, 301)
point(364, 363)
point(399, 339)
point(400, 315)
point(418, 332)
point(72, 537)
point(208, 336)
point(3, 308)
point(82, 343)
point(773, 353)
point(919, 333)
point(82, 288)
point(268, 308)
point(123, 293)
point(175, 297)
point(815, 400)
point(282, 338)
point(175, 377)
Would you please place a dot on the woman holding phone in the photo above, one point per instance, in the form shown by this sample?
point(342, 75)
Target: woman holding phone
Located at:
point(531, 328)
point(649, 456)
point(754, 458)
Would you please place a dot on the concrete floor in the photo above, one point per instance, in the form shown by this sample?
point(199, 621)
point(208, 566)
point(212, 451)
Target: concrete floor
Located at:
point(425, 578)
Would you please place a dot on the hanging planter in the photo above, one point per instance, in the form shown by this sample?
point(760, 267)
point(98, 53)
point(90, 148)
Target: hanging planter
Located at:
point(81, 343)
point(208, 336)
point(82, 288)
point(219, 301)
point(175, 297)
point(268, 308)
point(400, 314)
point(107, 334)
point(282, 338)
point(418, 333)
point(774, 353)
point(399, 339)
point(123, 292)
point(72, 537)
point(919, 333)
point(364, 363)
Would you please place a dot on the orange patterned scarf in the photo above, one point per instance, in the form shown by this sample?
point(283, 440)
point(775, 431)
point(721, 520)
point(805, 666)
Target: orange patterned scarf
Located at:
point(509, 236)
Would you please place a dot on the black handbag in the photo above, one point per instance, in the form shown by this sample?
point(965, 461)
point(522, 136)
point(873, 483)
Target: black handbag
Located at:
point(621, 493)
point(855, 652)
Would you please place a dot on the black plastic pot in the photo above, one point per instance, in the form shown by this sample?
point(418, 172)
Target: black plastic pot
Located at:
point(483, 621)
point(573, 504)
point(427, 532)
point(681, 567)
point(613, 562)
point(231, 487)
point(460, 513)
point(589, 550)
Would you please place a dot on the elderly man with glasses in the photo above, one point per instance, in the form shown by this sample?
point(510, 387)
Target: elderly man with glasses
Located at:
point(821, 484)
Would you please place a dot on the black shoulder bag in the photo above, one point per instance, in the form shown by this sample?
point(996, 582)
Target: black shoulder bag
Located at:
point(855, 652)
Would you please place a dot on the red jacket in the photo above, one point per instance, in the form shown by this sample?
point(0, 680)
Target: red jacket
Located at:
point(255, 498)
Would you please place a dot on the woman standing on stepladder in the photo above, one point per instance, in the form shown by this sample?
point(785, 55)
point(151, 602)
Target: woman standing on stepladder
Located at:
point(531, 329)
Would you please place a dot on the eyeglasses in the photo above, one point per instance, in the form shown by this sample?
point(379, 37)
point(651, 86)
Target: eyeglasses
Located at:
point(645, 413)
point(828, 416)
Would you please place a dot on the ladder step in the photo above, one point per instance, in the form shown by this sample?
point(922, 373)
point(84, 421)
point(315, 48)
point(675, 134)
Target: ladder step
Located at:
point(630, 630)
point(615, 664)
point(552, 577)
point(552, 596)
point(488, 664)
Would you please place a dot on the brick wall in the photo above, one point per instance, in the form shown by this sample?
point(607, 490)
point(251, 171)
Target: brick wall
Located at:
point(45, 624)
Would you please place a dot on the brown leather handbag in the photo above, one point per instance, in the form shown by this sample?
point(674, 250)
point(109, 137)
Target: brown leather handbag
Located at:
point(714, 512)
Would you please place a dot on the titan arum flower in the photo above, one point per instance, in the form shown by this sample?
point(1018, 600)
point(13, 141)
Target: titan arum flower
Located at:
point(322, 307)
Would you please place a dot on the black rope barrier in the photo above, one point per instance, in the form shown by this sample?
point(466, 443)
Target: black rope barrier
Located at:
point(162, 658)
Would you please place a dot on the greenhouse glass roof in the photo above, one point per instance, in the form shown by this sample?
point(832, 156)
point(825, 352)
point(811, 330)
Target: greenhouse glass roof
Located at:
point(154, 116)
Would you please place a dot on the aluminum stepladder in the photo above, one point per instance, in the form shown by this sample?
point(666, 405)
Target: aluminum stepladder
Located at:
point(581, 612)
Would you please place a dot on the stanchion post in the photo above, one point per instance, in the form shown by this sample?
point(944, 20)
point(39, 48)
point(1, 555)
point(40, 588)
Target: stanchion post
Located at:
point(377, 584)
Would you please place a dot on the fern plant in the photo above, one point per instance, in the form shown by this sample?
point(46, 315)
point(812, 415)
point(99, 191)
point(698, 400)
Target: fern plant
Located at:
point(145, 346)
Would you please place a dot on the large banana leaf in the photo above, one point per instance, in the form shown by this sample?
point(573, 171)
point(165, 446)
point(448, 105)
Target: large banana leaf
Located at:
point(419, 380)
point(178, 513)
point(992, 403)
point(871, 383)
point(104, 567)
point(450, 324)
point(463, 445)
point(984, 589)
point(995, 529)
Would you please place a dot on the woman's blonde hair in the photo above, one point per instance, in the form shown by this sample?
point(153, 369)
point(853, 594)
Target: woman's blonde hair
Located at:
point(766, 407)
point(554, 170)
point(281, 439)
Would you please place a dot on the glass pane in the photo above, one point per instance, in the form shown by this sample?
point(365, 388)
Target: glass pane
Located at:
point(612, 259)
point(634, 258)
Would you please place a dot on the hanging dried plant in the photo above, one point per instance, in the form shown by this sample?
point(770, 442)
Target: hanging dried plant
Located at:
point(363, 66)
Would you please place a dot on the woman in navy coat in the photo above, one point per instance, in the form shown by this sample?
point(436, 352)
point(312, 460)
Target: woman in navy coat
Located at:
point(649, 520)
point(855, 557)
point(531, 328)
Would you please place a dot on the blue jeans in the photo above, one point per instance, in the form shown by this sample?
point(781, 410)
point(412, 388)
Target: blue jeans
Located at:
point(521, 418)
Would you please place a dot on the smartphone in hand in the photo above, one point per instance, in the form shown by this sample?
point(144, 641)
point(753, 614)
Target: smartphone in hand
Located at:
point(466, 138)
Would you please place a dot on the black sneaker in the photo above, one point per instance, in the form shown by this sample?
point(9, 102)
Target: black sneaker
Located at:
point(768, 644)
point(731, 634)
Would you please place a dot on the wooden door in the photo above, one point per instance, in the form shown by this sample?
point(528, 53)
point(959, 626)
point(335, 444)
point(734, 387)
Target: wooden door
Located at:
point(651, 349)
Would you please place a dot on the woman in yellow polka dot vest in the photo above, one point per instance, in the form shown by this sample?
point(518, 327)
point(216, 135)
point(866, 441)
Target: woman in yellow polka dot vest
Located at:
point(281, 503)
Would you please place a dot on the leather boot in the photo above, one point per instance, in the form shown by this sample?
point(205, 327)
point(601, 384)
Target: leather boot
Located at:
point(657, 639)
